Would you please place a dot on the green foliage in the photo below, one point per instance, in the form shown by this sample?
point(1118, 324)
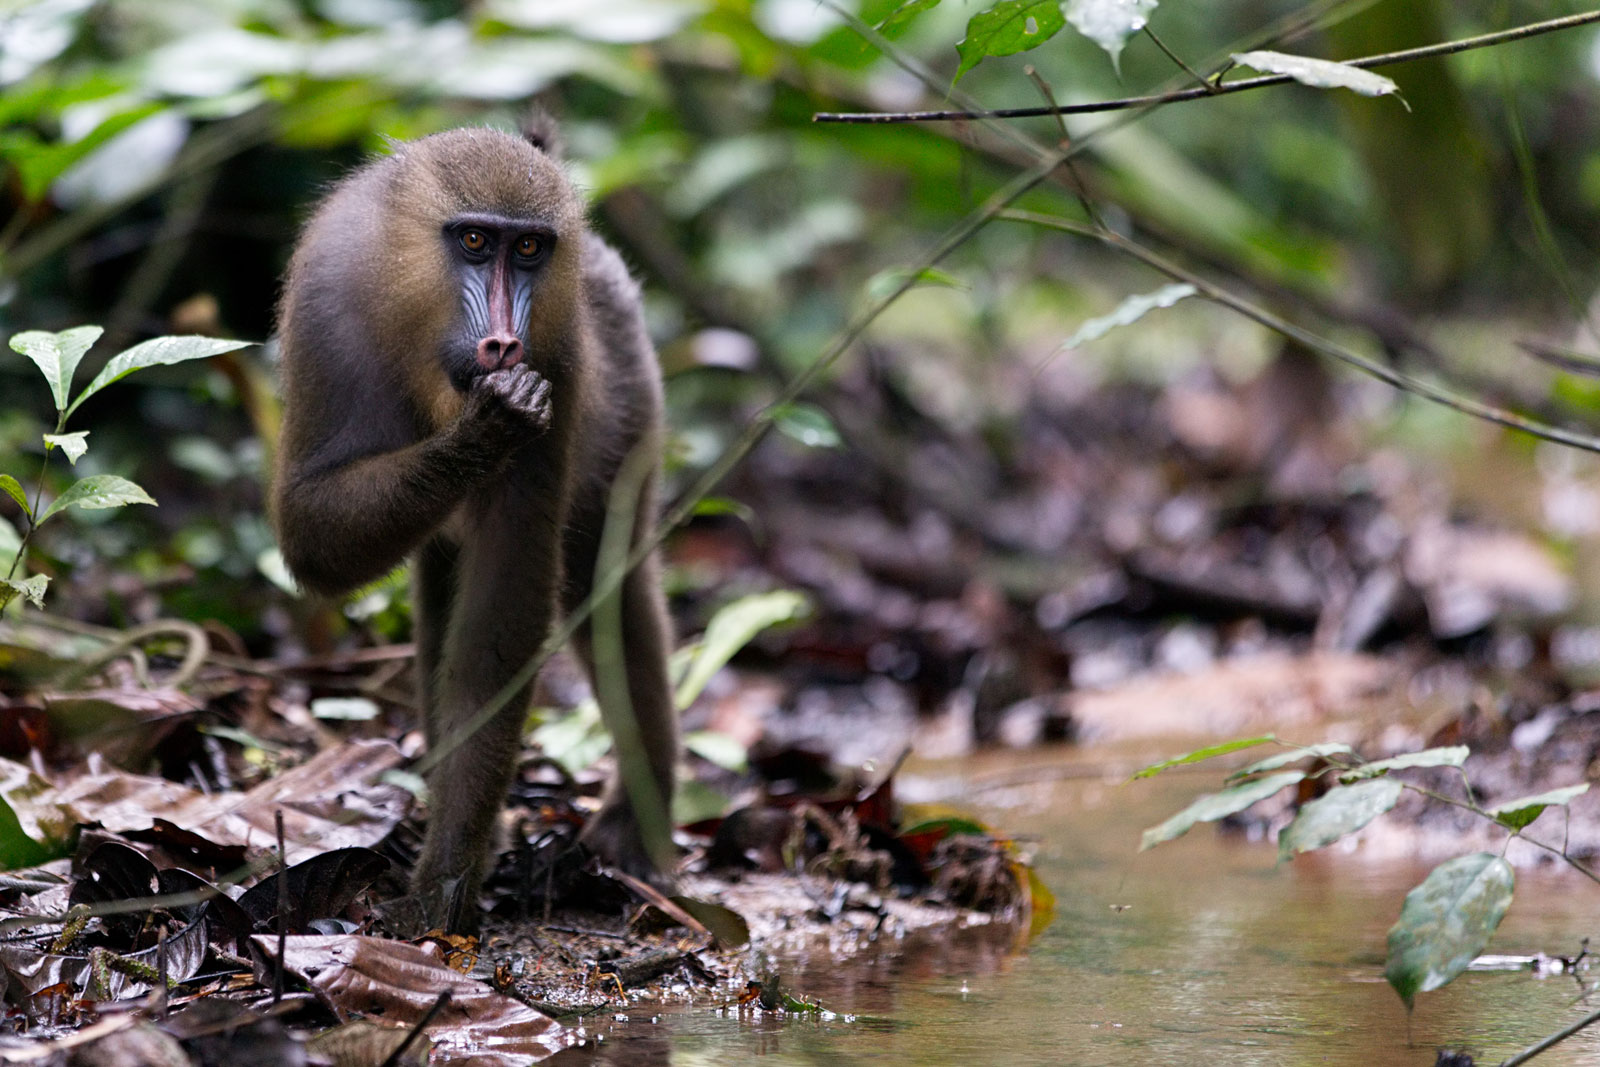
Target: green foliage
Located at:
point(57, 355)
point(17, 849)
point(1009, 27)
point(1199, 754)
point(1446, 921)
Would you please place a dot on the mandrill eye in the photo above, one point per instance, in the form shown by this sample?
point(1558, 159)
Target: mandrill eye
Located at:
point(528, 247)
point(474, 240)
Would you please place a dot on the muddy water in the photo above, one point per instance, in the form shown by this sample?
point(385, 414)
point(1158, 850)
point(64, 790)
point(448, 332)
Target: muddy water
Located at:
point(1198, 952)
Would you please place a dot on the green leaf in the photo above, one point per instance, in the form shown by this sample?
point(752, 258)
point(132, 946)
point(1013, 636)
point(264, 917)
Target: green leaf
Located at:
point(10, 544)
point(1214, 806)
point(1129, 311)
point(1453, 756)
point(1318, 73)
point(1272, 763)
point(1342, 810)
point(73, 444)
point(710, 506)
point(1008, 27)
point(39, 163)
point(158, 351)
point(729, 630)
point(57, 356)
point(98, 491)
point(1109, 23)
point(719, 748)
point(17, 849)
point(30, 589)
point(901, 16)
point(14, 490)
point(807, 424)
point(1446, 921)
point(1201, 754)
point(1515, 814)
point(885, 282)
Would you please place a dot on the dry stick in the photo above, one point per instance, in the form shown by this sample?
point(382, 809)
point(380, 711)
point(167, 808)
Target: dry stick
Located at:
point(1388, 375)
point(393, 1059)
point(1205, 83)
point(283, 909)
point(1444, 48)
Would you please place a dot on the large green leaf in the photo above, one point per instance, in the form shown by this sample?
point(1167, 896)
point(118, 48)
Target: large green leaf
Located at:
point(1453, 756)
point(13, 488)
point(1008, 27)
point(1515, 814)
point(729, 630)
point(1201, 754)
point(98, 491)
point(57, 355)
point(158, 351)
point(1214, 806)
point(1446, 921)
point(1342, 810)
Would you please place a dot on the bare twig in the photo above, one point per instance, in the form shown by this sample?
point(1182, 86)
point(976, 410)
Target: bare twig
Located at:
point(1554, 1039)
point(393, 1059)
point(1444, 48)
point(283, 910)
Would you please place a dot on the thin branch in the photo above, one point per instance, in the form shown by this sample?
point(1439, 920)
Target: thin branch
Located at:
point(1427, 390)
point(1201, 80)
point(1554, 1039)
point(1444, 48)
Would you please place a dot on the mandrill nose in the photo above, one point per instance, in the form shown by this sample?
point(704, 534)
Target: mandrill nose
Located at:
point(499, 350)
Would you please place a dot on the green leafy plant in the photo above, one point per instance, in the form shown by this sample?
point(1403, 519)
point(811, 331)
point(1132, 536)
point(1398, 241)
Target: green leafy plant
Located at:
point(1447, 919)
point(57, 356)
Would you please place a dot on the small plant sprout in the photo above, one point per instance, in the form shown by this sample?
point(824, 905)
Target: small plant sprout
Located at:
point(57, 356)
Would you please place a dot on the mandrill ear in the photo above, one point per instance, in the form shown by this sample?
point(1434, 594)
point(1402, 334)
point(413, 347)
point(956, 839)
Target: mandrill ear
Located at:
point(540, 130)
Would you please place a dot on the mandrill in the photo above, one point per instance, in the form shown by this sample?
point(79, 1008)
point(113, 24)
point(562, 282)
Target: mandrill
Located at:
point(465, 370)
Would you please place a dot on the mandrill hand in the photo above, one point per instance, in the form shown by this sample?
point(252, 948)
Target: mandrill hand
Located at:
point(516, 397)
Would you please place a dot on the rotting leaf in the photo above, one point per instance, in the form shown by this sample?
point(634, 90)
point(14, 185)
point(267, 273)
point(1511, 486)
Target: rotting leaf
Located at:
point(1515, 814)
point(1446, 921)
point(17, 849)
point(1452, 756)
point(1214, 806)
point(1199, 754)
point(319, 888)
point(372, 977)
point(727, 926)
point(1342, 810)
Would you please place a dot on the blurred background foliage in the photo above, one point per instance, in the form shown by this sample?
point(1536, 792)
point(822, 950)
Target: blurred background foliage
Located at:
point(159, 156)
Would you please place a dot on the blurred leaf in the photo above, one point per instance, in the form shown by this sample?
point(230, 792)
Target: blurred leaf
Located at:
point(1129, 311)
point(885, 282)
point(1515, 814)
point(807, 424)
point(98, 491)
point(1199, 754)
point(57, 355)
point(30, 589)
point(17, 849)
point(39, 163)
point(1446, 921)
point(1453, 756)
point(14, 490)
point(576, 739)
point(345, 709)
point(36, 33)
point(1109, 23)
point(716, 747)
point(1214, 806)
point(898, 19)
point(614, 22)
point(1342, 810)
point(1041, 903)
point(723, 166)
point(10, 544)
point(1318, 73)
point(729, 630)
point(721, 505)
point(1008, 27)
point(1272, 763)
point(74, 445)
point(156, 352)
point(725, 924)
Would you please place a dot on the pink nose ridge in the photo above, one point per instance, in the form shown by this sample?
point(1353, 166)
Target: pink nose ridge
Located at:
point(499, 351)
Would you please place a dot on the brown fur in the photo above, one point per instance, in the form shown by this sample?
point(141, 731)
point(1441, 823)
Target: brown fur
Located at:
point(498, 491)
